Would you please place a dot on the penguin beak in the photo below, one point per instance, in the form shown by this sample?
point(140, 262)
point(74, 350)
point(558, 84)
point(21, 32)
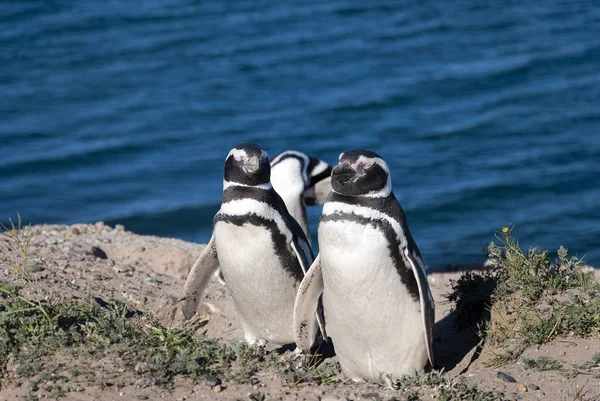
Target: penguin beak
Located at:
point(343, 173)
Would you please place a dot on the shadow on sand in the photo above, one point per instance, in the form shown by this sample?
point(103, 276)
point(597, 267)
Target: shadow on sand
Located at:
point(456, 335)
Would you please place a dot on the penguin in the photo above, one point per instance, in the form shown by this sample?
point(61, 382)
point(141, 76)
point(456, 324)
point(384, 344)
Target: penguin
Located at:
point(300, 180)
point(294, 176)
point(377, 301)
point(260, 249)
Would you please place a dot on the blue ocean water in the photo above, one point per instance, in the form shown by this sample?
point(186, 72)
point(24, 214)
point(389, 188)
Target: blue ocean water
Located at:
point(488, 113)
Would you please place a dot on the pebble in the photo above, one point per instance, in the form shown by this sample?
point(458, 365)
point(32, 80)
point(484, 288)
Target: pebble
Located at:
point(99, 224)
point(504, 377)
point(75, 230)
point(33, 267)
point(72, 270)
point(370, 395)
point(212, 380)
point(522, 388)
point(97, 276)
point(151, 280)
point(532, 387)
point(217, 389)
point(120, 227)
point(142, 397)
point(98, 252)
point(332, 398)
point(120, 269)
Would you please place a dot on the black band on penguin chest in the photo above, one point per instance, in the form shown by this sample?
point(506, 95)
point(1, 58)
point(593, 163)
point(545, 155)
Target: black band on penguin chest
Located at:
point(405, 272)
point(287, 258)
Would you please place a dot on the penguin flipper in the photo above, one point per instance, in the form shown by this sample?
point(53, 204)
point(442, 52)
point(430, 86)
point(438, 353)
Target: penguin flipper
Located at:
point(317, 194)
point(305, 267)
point(425, 298)
point(201, 271)
point(306, 305)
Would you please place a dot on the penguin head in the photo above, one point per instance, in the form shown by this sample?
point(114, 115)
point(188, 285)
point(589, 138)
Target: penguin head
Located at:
point(361, 173)
point(248, 165)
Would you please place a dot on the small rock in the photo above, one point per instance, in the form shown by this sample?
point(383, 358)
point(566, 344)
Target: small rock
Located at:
point(522, 388)
point(120, 227)
point(152, 280)
point(33, 267)
point(504, 377)
point(212, 380)
point(75, 231)
point(142, 397)
point(332, 398)
point(254, 380)
point(217, 389)
point(97, 276)
point(120, 269)
point(99, 224)
point(72, 270)
point(98, 252)
point(370, 395)
point(532, 387)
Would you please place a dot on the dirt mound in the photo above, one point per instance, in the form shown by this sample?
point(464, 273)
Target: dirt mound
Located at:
point(147, 274)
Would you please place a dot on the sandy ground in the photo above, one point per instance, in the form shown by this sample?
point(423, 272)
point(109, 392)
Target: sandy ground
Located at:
point(83, 261)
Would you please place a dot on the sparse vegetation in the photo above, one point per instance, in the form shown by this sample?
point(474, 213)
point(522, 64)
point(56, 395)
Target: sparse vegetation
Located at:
point(533, 299)
point(157, 354)
point(542, 364)
point(20, 238)
point(594, 363)
point(58, 344)
point(583, 393)
point(442, 387)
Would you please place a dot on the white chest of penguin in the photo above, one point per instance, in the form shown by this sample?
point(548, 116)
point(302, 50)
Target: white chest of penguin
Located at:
point(375, 324)
point(258, 285)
